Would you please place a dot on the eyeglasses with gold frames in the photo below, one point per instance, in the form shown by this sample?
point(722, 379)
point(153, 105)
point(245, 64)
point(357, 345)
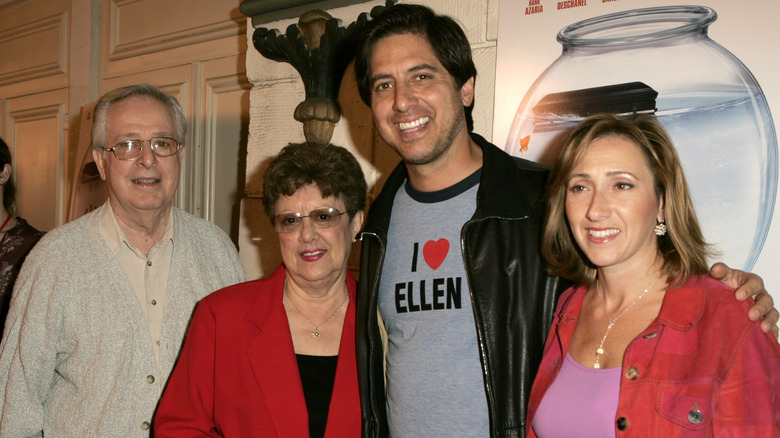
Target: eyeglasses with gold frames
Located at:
point(129, 150)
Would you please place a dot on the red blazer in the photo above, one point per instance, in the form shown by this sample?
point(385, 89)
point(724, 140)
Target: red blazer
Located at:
point(701, 369)
point(238, 376)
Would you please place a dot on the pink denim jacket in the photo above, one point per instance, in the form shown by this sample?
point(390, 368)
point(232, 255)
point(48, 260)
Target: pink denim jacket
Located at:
point(700, 369)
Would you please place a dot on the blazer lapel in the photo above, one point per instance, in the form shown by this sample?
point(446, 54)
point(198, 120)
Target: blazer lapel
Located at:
point(272, 359)
point(344, 411)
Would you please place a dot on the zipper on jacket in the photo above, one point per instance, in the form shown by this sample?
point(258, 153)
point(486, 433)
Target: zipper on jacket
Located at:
point(477, 322)
point(373, 304)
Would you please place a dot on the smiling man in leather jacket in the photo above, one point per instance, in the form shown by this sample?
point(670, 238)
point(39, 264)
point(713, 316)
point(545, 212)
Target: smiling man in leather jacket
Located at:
point(454, 300)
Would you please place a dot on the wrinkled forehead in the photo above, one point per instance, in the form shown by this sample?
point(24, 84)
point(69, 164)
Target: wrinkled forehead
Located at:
point(138, 115)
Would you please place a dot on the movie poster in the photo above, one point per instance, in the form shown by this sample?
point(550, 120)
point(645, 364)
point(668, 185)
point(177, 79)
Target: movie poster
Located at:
point(707, 70)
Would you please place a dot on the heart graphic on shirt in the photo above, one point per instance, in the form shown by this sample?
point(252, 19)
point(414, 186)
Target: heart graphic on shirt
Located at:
point(435, 252)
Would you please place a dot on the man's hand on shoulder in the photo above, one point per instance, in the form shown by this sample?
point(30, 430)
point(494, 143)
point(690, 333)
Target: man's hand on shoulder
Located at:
point(747, 285)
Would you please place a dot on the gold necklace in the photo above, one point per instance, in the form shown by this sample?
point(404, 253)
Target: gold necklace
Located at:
point(316, 334)
point(600, 349)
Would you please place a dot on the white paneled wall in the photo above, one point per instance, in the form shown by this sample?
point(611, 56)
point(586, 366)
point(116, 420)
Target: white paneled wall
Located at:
point(36, 121)
point(58, 55)
point(34, 43)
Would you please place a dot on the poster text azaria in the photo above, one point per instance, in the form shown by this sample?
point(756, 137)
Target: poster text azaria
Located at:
point(534, 7)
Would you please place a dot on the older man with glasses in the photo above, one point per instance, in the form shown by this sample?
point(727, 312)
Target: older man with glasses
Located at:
point(102, 304)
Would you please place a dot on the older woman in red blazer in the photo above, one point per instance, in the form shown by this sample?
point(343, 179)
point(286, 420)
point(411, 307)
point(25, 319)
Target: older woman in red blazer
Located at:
point(276, 357)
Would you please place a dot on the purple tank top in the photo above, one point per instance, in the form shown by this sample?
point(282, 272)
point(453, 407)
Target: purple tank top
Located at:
point(581, 402)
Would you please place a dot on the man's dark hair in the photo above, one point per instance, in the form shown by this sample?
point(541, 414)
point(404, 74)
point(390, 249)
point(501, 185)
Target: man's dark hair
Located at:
point(446, 37)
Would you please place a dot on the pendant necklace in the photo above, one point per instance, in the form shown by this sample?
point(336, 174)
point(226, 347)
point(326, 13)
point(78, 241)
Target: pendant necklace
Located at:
point(316, 334)
point(600, 349)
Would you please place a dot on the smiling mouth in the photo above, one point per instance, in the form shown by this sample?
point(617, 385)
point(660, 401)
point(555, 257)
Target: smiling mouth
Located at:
point(146, 180)
point(603, 233)
point(312, 253)
point(408, 126)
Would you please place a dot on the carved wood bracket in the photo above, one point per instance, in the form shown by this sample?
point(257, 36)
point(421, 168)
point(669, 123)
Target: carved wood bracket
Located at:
point(319, 49)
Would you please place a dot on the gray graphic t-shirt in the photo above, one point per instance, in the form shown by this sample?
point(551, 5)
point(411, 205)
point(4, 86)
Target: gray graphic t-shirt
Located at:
point(435, 383)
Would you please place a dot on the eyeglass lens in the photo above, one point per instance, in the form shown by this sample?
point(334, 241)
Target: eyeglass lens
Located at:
point(322, 218)
point(161, 146)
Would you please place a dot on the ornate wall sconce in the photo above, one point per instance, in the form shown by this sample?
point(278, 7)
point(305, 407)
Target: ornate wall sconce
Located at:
point(320, 50)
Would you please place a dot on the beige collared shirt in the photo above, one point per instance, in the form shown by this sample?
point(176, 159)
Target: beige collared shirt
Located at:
point(148, 274)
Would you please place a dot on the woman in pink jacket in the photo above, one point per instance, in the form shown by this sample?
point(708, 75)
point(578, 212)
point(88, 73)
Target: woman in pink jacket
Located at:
point(646, 344)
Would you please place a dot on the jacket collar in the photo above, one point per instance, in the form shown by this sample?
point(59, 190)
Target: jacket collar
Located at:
point(272, 355)
point(267, 307)
point(499, 171)
point(681, 308)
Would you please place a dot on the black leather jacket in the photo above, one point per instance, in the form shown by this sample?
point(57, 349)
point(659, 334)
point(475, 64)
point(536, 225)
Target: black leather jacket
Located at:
point(513, 296)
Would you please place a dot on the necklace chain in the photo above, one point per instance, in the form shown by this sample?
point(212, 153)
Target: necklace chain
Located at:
point(612, 321)
point(316, 334)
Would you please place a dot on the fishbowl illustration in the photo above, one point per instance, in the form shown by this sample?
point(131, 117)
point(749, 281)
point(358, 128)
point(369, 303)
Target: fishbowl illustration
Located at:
point(661, 61)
